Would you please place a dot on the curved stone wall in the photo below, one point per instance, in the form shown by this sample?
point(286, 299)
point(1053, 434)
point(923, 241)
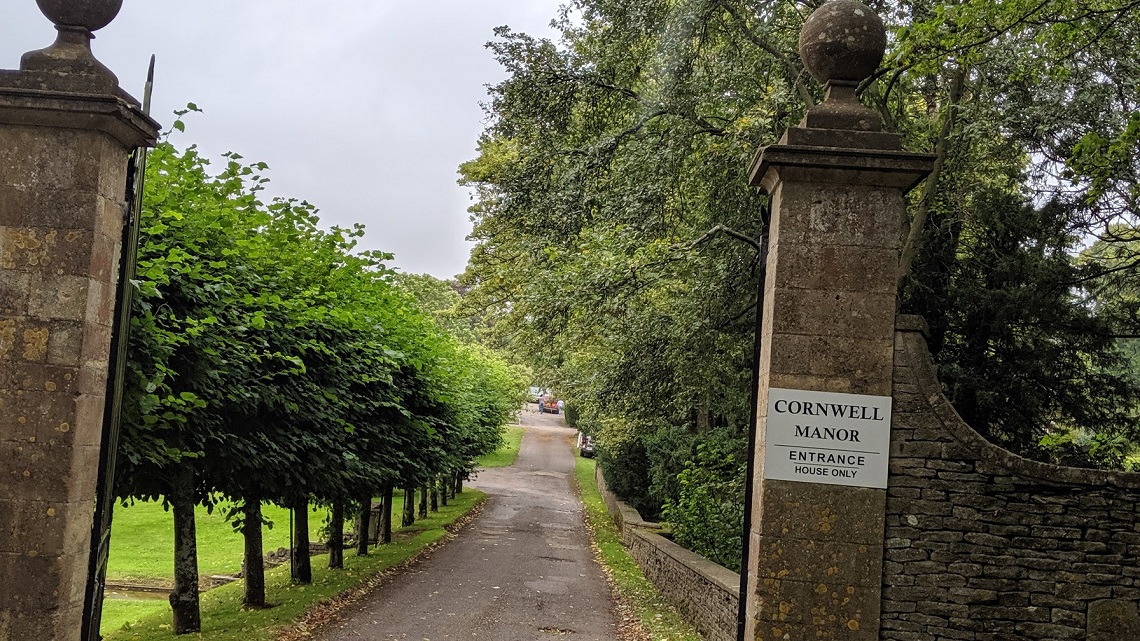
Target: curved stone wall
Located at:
point(983, 545)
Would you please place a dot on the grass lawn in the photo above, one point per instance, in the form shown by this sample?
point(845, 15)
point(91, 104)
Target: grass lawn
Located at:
point(658, 617)
point(223, 619)
point(506, 454)
point(142, 541)
point(142, 550)
point(120, 612)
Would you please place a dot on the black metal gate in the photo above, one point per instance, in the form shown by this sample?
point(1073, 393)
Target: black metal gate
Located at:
point(112, 412)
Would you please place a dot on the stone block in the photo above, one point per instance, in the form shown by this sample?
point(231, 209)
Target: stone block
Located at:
point(834, 608)
point(88, 421)
point(31, 527)
point(50, 208)
point(103, 265)
point(836, 215)
point(840, 384)
point(865, 363)
point(1081, 592)
point(822, 512)
point(32, 415)
point(1037, 630)
point(14, 289)
point(65, 343)
point(84, 469)
point(841, 268)
point(34, 574)
point(32, 471)
point(9, 525)
point(809, 312)
point(96, 344)
point(8, 338)
point(56, 297)
point(27, 248)
point(42, 385)
point(65, 158)
point(101, 304)
point(819, 562)
point(33, 336)
point(92, 378)
point(58, 251)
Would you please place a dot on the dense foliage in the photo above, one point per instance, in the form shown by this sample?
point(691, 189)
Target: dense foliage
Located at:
point(270, 361)
point(619, 246)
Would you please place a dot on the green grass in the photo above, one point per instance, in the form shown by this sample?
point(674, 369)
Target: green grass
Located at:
point(119, 612)
point(509, 451)
point(659, 618)
point(142, 551)
point(142, 541)
point(223, 618)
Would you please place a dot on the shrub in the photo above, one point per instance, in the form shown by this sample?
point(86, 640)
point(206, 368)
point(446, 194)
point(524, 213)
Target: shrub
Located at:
point(708, 514)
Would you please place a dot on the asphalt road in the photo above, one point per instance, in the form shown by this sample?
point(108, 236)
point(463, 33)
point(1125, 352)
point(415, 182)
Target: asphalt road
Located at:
point(523, 571)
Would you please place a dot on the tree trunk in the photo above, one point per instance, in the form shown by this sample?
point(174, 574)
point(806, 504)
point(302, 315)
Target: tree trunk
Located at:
point(336, 536)
point(457, 486)
point(386, 514)
point(433, 495)
point(704, 422)
point(913, 228)
point(365, 517)
point(423, 502)
point(442, 482)
point(184, 599)
point(254, 555)
point(409, 516)
point(302, 567)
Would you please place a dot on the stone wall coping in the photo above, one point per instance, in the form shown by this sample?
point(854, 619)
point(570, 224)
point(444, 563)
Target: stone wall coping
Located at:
point(705, 593)
point(878, 167)
point(111, 114)
point(632, 518)
point(625, 514)
point(912, 323)
point(723, 577)
point(916, 355)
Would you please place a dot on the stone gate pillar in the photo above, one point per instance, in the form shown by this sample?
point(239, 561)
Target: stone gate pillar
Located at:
point(66, 131)
point(836, 184)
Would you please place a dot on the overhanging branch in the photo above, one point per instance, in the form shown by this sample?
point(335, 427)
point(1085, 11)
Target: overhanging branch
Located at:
point(728, 231)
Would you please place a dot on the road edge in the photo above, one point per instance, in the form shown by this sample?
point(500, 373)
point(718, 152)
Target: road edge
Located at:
point(643, 613)
point(322, 615)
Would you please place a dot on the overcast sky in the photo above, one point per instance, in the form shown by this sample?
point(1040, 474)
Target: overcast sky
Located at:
point(363, 107)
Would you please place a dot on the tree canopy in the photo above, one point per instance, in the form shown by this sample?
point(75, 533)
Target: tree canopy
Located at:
point(619, 245)
point(272, 361)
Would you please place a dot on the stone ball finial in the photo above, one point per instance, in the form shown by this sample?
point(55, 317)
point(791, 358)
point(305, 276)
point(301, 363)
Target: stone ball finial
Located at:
point(91, 15)
point(843, 41)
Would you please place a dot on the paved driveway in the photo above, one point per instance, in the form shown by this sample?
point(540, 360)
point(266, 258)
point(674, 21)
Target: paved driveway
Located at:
point(524, 571)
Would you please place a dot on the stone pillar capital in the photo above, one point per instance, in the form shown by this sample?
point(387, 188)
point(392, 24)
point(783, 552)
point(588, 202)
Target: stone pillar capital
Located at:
point(116, 114)
point(870, 165)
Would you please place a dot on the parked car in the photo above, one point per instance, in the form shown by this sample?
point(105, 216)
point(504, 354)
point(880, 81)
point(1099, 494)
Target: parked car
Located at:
point(585, 445)
point(533, 393)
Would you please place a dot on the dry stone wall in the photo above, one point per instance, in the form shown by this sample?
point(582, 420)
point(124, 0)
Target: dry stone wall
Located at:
point(705, 593)
point(982, 545)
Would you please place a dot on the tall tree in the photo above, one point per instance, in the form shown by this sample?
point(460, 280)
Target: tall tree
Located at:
point(617, 240)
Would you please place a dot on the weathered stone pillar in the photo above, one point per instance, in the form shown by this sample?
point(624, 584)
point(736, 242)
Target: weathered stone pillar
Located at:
point(66, 131)
point(836, 183)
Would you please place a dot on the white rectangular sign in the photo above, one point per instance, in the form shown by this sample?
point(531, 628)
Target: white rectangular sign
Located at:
point(827, 437)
